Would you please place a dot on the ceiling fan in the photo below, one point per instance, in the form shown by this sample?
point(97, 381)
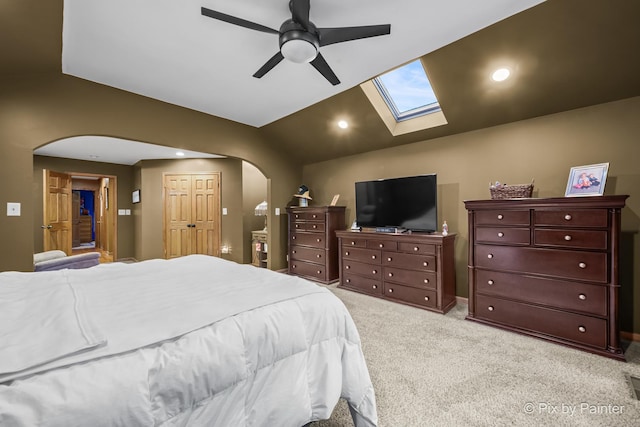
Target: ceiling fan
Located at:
point(300, 39)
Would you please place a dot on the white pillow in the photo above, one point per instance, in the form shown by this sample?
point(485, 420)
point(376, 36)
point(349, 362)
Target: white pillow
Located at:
point(46, 256)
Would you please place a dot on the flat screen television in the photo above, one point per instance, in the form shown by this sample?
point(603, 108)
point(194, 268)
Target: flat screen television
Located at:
point(408, 203)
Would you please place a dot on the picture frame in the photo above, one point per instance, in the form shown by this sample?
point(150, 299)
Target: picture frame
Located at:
point(335, 200)
point(135, 196)
point(587, 180)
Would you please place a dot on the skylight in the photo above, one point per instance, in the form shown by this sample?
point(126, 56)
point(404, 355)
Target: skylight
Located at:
point(407, 91)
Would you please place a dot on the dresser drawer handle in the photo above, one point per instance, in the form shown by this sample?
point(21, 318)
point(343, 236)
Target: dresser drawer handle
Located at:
point(315, 226)
point(501, 234)
point(582, 329)
point(567, 217)
point(297, 225)
point(294, 251)
point(389, 259)
point(319, 271)
point(347, 267)
point(490, 308)
point(373, 257)
point(416, 249)
point(315, 216)
point(426, 280)
point(500, 216)
point(346, 253)
point(390, 274)
point(582, 297)
point(374, 271)
point(390, 290)
point(567, 237)
point(293, 237)
point(381, 245)
point(425, 264)
point(490, 282)
point(582, 265)
point(490, 256)
point(353, 243)
point(348, 280)
point(375, 286)
point(318, 256)
point(318, 240)
point(426, 298)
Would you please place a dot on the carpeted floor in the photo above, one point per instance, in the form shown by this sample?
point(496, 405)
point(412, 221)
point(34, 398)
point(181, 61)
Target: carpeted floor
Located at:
point(435, 370)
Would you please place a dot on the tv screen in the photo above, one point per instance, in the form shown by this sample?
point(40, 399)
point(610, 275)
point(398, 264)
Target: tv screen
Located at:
point(408, 202)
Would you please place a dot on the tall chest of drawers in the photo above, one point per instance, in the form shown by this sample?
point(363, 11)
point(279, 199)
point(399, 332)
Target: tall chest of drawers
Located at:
point(415, 269)
point(548, 268)
point(313, 246)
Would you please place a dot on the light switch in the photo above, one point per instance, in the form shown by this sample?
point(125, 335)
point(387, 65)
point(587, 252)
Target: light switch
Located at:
point(13, 209)
point(121, 212)
point(224, 211)
point(277, 211)
point(127, 211)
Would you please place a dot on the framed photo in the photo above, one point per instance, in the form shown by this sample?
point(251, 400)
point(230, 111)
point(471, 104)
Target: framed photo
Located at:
point(335, 200)
point(588, 180)
point(135, 196)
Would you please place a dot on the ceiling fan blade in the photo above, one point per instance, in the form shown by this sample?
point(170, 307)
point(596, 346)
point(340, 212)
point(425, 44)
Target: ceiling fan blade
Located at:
point(344, 34)
point(236, 21)
point(321, 65)
point(275, 60)
point(300, 12)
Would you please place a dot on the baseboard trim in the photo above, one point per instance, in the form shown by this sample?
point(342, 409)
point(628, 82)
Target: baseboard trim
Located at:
point(462, 300)
point(127, 260)
point(630, 336)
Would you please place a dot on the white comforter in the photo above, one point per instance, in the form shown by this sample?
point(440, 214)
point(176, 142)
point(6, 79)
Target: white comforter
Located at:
point(195, 341)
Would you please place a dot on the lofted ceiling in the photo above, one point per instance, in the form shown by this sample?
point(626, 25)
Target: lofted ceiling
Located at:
point(564, 54)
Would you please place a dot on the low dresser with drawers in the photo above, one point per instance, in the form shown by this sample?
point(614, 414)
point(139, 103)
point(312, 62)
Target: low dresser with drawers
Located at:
point(548, 268)
point(416, 269)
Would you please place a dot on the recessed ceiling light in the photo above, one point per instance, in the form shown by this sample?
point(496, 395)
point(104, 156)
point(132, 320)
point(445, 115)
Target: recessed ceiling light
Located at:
point(342, 124)
point(500, 74)
point(179, 153)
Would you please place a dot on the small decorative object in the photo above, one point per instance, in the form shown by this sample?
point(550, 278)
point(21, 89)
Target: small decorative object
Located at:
point(303, 196)
point(587, 180)
point(445, 229)
point(504, 191)
point(135, 196)
point(335, 200)
point(261, 210)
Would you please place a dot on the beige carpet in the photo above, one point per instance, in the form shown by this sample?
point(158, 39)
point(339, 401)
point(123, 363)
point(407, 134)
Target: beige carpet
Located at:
point(435, 370)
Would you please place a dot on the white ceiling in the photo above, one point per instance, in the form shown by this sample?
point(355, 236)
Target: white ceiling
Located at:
point(166, 50)
point(113, 150)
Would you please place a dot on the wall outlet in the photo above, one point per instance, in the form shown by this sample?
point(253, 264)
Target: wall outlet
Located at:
point(277, 211)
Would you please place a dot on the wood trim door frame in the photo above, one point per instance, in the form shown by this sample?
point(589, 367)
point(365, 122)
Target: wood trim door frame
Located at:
point(106, 207)
point(191, 213)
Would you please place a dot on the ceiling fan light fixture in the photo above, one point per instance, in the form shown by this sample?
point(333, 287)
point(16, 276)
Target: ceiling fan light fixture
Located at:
point(299, 51)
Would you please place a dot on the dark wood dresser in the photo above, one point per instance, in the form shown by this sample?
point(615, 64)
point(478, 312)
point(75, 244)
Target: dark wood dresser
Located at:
point(415, 269)
point(313, 246)
point(548, 268)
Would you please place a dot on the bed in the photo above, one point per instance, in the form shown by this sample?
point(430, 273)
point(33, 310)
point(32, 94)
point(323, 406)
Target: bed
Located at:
point(192, 341)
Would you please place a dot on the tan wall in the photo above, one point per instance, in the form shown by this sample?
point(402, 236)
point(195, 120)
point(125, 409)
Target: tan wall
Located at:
point(151, 206)
point(41, 108)
point(544, 148)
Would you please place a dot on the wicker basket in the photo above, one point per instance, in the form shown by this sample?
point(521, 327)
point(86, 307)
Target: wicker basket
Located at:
point(503, 191)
